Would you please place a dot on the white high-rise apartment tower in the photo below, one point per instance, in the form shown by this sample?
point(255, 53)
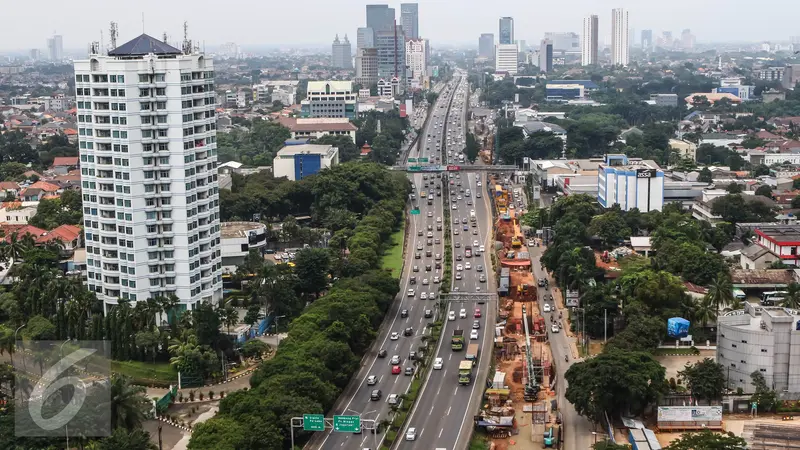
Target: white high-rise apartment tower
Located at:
point(589, 41)
point(147, 136)
point(620, 48)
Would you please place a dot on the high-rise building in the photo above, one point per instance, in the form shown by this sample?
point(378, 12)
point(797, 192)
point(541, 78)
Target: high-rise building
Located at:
point(521, 45)
point(589, 41)
point(391, 45)
point(367, 66)
point(365, 38)
point(687, 39)
point(647, 39)
point(505, 59)
point(506, 30)
point(620, 38)
point(55, 48)
point(409, 19)
point(380, 17)
point(417, 59)
point(342, 59)
point(546, 56)
point(330, 99)
point(486, 45)
point(149, 183)
point(564, 42)
point(35, 54)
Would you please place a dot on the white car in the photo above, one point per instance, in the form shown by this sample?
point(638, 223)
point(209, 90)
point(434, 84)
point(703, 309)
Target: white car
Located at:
point(459, 267)
point(467, 266)
point(395, 336)
point(423, 296)
point(411, 434)
point(371, 380)
point(436, 280)
point(458, 275)
point(473, 335)
point(554, 328)
point(455, 206)
point(451, 315)
point(438, 363)
point(432, 296)
point(546, 307)
point(475, 243)
point(462, 314)
point(410, 292)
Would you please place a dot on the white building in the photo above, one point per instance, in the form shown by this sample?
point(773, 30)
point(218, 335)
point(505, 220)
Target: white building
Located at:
point(506, 58)
point(150, 191)
point(329, 99)
point(589, 41)
point(238, 238)
point(631, 184)
point(620, 38)
point(296, 162)
point(417, 58)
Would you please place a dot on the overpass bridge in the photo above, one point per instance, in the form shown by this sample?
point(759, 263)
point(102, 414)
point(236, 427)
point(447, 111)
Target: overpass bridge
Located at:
point(427, 168)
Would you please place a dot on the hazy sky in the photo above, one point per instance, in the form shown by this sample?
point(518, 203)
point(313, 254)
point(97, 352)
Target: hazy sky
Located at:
point(277, 22)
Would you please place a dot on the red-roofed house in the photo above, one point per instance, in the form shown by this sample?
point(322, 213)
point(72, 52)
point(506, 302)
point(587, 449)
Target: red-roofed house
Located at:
point(63, 164)
point(767, 136)
point(8, 189)
point(69, 235)
point(319, 126)
point(46, 187)
point(27, 229)
point(32, 173)
point(31, 194)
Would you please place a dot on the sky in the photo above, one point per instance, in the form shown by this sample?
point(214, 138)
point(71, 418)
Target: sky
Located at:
point(277, 23)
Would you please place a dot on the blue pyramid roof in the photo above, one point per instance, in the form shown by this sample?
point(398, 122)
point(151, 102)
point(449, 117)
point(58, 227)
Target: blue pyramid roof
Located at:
point(144, 45)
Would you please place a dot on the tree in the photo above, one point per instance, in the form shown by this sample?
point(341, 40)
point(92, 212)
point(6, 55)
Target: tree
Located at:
point(764, 190)
point(253, 315)
point(705, 176)
point(610, 227)
point(471, 147)
point(347, 148)
point(14, 147)
point(312, 266)
point(734, 188)
point(122, 439)
point(128, 403)
point(765, 398)
point(254, 348)
point(708, 440)
point(735, 208)
point(720, 292)
point(614, 382)
point(608, 445)
point(792, 297)
point(705, 379)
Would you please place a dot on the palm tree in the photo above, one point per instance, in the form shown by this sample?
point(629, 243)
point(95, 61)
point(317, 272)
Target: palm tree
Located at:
point(128, 403)
point(704, 311)
point(17, 245)
point(791, 299)
point(230, 317)
point(720, 292)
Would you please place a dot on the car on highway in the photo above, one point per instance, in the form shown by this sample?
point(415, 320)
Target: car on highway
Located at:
point(394, 399)
point(423, 296)
point(428, 313)
point(415, 269)
point(425, 282)
point(458, 244)
point(476, 324)
point(482, 278)
point(438, 363)
point(411, 293)
point(395, 360)
point(382, 353)
point(455, 205)
point(404, 313)
point(467, 265)
point(451, 315)
point(396, 370)
point(395, 336)
point(411, 434)
point(546, 307)
point(479, 268)
point(462, 314)
point(458, 276)
point(459, 267)
point(473, 335)
point(409, 370)
point(376, 394)
point(371, 380)
point(554, 328)
point(477, 314)
point(408, 331)
point(455, 231)
point(436, 279)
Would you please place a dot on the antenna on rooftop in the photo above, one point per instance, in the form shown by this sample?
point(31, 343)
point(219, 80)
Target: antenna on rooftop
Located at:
point(186, 47)
point(164, 37)
point(142, 22)
point(114, 34)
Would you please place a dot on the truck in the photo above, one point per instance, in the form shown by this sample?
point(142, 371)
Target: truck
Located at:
point(468, 251)
point(457, 343)
point(473, 351)
point(465, 372)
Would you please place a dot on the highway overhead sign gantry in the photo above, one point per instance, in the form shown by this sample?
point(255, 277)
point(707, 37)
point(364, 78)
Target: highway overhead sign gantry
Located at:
point(313, 422)
point(347, 424)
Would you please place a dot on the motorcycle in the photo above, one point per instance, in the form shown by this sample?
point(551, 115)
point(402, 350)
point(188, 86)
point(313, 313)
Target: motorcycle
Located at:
point(566, 358)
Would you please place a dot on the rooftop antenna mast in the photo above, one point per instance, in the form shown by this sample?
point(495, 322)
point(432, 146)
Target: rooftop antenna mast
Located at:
point(187, 43)
point(114, 34)
point(164, 37)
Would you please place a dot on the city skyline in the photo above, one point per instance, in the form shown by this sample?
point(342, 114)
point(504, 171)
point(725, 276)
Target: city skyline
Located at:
point(81, 26)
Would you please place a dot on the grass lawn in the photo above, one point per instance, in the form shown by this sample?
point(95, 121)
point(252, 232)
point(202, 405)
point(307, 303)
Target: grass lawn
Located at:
point(146, 373)
point(393, 256)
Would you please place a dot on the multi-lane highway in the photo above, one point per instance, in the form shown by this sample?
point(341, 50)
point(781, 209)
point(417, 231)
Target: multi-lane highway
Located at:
point(442, 417)
point(381, 379)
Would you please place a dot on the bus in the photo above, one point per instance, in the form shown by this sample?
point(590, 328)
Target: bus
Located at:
point(770, 298)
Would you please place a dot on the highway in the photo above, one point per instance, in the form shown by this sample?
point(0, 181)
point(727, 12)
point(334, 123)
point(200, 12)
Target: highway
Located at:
point(424, 249)
point(442, 417)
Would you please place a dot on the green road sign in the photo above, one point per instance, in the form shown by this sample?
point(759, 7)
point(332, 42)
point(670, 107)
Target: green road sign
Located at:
point(412, 159)
point(313, 422)
point(347, 424)
point(414, 168)
point(415, 211)
point(423, 160)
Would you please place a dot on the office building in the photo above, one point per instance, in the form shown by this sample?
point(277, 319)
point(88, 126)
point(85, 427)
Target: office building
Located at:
point(296, 162)
point(630, 184)
point(409, 19)
point(506, 30)
point(417, 59)
point(521, 45)
point(342, 58)
point(35, 54)
point(666, 100)
point(55, 48)
point(367, 66)
point(237, 239)
point(687, 39)
point(557, 92)
point(149, 173)
point(329, 99)
point(380, 18)
point(771, 73)
point(546, 56)
point(365, 38)
point(391, 45)
point(486, 45)
point(505, 58)
point(564, 42)
point(647, 39)
point(589, 41)
point(762, 339)
point(620, 51)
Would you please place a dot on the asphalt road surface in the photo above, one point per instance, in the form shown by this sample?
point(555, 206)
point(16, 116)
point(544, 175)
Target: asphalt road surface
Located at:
point(422, 254)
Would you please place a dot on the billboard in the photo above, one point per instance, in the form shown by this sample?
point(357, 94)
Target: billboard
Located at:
point(677, 416)
point(403, 110)
point(645, 173)
point(572, 298)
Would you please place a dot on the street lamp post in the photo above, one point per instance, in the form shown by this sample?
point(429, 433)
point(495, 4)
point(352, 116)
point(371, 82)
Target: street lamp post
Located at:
point(61, 355)
point(14, 345)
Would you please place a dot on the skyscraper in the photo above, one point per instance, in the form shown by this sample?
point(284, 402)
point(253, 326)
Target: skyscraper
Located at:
point(486, 45)
point(417, 58)
point(506, 58)
point(149, 183)
point(55, 48)
point(367, 66)
point(365, 38)
point(564, 42)
point(391, 45)
point(620, 50)
point(342, 58)
point(546, 56)
point(647, 39)
point(380, 17)
point(687, 39)
point(589, 41)
point(506, 30)
point(409, 19)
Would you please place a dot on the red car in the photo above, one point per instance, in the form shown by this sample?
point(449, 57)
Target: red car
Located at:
point(477, 313)
point(395, 370)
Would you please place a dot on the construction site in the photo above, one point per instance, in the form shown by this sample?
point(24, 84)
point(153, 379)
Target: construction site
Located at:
point(520, 410)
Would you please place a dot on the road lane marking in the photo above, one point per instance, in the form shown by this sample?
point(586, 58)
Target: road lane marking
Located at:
point(455, 391)
point(440, 432)
point(448, 410)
